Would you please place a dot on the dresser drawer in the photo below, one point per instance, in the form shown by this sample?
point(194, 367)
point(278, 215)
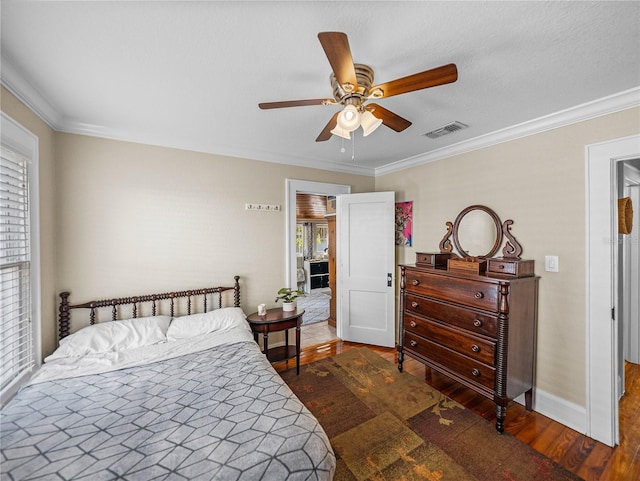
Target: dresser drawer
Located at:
point(470, 369)
point(456, 316)
point(483, 295)
point(473, 346)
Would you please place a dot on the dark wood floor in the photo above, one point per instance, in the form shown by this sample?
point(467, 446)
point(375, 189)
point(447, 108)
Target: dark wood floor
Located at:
point(587, 458)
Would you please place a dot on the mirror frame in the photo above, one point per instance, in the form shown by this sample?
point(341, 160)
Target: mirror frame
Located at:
point(496, 221)
point(511, 250)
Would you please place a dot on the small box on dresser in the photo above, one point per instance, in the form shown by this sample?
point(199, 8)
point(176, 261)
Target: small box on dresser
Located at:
point(470, 266)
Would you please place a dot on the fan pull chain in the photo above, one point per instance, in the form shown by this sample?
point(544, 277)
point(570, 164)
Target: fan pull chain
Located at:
point(342, 149)
point(353, 147)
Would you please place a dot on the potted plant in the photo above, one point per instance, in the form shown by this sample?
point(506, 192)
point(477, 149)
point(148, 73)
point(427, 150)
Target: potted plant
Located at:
point(289, 297)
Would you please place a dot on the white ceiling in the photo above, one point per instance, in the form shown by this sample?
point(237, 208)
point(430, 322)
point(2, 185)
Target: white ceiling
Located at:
point(191, 74)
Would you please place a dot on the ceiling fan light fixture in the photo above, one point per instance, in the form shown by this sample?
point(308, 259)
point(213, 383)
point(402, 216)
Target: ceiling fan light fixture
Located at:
point(349, 118)
point(340, 132)
point(369, 122)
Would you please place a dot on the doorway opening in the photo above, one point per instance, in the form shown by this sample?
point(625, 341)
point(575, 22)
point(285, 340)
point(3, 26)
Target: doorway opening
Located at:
point(628, 173)
point(628, 297)
point(300, 264)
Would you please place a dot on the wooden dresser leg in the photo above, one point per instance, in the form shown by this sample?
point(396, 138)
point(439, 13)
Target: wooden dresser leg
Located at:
point(501, 413)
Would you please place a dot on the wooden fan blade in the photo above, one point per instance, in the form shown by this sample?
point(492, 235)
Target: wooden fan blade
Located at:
point(326, 132)
point(336, 47)
point(293, 103)
point(391, 120)
point(429, 78)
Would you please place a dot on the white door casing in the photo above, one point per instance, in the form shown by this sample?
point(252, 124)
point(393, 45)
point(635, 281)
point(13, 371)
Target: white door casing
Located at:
point(365, 230)
point(601, 330)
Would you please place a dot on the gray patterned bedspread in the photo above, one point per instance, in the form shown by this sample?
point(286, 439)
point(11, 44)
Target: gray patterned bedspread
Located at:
point(219, 414)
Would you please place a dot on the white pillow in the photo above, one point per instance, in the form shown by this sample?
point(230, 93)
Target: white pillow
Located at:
point(198, 324)
point(114, 336)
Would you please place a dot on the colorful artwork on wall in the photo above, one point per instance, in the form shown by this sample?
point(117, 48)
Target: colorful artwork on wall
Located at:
point(404, 223)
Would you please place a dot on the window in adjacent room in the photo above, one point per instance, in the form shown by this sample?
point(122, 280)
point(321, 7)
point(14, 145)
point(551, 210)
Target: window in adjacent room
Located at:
point(322, 239)
point(299, 240)
point(19, 306)
point(312, 239)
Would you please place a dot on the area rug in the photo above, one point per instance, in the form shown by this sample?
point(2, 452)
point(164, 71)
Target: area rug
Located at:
point(315, 305)
point(387, 425)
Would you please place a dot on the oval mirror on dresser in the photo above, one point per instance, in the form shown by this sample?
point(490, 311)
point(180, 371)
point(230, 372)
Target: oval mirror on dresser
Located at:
point(477, 232)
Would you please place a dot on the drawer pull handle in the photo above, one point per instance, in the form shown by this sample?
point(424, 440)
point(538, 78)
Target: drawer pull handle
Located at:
point(475, 348)
point(415, 282)
point(500, 266)
point(477, 323)
point(476, 373)
point(413, 324)
point(414, 304)
point(413, 343)
point(478, 295)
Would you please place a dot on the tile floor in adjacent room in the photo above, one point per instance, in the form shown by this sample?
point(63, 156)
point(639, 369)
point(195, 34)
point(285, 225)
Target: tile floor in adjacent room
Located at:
point(317, 333)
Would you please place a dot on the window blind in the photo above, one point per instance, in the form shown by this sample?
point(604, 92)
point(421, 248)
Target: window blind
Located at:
point(16, 339)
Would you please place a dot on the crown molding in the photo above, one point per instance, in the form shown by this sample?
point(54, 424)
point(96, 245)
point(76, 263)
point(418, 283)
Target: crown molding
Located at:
point(221, 150)
point(28, 95)
point(597, 108)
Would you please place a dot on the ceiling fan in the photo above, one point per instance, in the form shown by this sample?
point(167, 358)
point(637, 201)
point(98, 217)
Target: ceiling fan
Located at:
point(353, 86)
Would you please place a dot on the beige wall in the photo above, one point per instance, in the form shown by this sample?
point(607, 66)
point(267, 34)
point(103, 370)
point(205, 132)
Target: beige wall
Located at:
point(539, 182)
point(136, 218)
point(47, 176)
point(119, 218)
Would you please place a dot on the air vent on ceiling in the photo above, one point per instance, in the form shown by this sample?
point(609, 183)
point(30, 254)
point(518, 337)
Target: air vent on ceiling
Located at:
point(447, 129)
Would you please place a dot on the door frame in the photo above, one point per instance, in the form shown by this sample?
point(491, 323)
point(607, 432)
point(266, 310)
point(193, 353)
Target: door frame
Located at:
point(293, 187)
point(602, 347)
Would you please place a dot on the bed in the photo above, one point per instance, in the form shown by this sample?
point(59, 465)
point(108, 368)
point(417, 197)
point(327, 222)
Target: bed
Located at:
point(154, 395)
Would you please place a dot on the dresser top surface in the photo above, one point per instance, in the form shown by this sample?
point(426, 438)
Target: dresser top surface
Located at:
point(484, 277)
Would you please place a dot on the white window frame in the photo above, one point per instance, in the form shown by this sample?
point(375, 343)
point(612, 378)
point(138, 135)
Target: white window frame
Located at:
point(19, 140)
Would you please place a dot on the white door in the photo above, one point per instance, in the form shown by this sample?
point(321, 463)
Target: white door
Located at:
point(365, 232)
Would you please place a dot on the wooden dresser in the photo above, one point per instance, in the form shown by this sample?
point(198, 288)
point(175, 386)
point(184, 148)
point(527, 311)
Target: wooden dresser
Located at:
point(480, 331)
point(477, 328)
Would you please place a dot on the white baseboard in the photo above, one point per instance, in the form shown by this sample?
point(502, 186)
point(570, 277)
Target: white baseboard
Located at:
point(560, 410)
